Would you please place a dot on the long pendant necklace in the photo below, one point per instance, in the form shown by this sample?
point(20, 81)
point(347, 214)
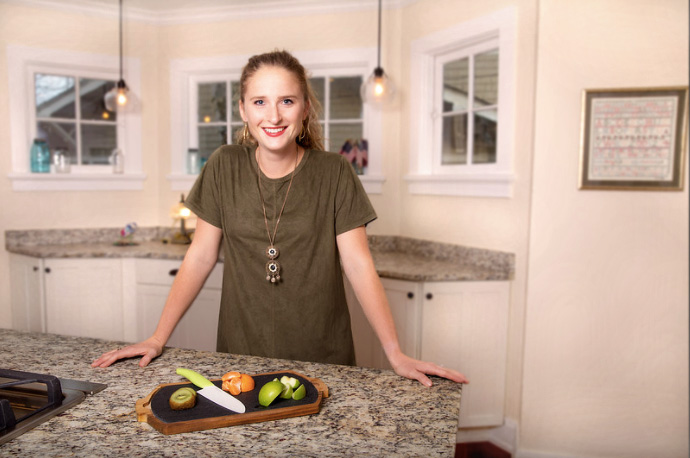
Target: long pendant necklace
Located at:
point(273, 266)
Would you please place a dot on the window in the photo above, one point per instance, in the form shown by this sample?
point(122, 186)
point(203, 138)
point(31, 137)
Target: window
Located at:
point(218, 113)
point(467, 107)
point(462, 83)
point(208, 105)
point(58, 96)
point(71, 117)
point(342, 109)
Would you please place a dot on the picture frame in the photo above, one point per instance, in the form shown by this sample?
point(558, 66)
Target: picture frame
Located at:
point(634, 139)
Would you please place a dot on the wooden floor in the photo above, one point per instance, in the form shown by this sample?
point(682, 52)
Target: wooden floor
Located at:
point(480, 450)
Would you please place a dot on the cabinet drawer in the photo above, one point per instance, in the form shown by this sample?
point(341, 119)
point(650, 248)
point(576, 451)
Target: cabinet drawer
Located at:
point(163, 271)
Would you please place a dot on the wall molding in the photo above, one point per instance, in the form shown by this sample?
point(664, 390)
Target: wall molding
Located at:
point(213, 11)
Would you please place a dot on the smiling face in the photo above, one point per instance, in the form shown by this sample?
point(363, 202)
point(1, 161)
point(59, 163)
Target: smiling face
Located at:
point(274, 107)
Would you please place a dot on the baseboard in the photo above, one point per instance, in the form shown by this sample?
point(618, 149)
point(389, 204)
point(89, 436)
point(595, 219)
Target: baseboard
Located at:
point(504, 436)
point(535, 454)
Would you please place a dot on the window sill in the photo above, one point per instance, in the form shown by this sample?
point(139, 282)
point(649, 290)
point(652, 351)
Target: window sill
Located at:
point(496, 184)
point(77, 181)
point(373, 184)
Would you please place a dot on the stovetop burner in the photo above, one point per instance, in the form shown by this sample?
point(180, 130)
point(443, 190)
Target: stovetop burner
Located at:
point(28, 399)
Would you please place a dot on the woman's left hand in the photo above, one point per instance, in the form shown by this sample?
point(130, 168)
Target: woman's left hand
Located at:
point(418, 370)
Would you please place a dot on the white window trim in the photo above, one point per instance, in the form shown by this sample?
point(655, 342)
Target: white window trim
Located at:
point(185, 73)
point(22, 62)
point(485, 180)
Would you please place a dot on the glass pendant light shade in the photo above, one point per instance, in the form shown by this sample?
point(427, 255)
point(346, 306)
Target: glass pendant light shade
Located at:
point(378, 89)
point(116, 97)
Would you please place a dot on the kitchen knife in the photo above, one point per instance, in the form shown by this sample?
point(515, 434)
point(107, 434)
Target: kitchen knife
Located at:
point(211, 391)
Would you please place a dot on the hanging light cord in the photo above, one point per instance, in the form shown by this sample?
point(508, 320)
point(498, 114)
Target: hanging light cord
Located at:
point(120, 40)
point(379, 48)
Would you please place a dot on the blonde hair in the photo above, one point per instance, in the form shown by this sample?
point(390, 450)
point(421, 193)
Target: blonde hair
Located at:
point(311, 135)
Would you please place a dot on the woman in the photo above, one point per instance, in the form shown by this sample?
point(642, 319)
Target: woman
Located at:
point(290, 214)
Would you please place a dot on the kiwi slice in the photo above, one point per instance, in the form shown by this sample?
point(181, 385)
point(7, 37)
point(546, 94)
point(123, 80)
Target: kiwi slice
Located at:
point(184, 398)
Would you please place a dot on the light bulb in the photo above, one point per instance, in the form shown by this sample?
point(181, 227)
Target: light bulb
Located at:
point(185, 212)
point(122, 96)
point(378, 87)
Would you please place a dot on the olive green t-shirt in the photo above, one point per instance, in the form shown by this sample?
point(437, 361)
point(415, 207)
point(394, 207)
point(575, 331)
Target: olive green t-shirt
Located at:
point(304, 316)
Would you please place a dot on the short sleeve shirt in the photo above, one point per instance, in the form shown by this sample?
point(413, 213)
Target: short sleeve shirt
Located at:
point(304, 316)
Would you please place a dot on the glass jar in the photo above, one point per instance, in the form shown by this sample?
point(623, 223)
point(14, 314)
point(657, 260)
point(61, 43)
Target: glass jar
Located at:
point(40, 156)
point(118, 161)
point(193, 161)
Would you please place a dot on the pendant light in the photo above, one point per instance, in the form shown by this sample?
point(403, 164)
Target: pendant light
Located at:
point(378, 89)
point(117, 96)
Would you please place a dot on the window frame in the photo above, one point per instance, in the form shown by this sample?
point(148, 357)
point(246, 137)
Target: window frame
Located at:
point(427, 175)
point(23, 63)
point(186, 74)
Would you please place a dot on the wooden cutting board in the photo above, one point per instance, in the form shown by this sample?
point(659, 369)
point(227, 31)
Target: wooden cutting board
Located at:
point(155, 410)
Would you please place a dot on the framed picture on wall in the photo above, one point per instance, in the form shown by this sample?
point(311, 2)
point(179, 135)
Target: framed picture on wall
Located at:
point(634, 139)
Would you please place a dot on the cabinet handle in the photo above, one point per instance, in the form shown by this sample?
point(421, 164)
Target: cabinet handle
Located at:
point(410, 295)
point(429, 296)
point(47, 270)
point(35, 268)
point(173, 272)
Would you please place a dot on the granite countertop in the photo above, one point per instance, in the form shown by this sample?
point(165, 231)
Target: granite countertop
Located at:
point(369, 412)
point(396, 257)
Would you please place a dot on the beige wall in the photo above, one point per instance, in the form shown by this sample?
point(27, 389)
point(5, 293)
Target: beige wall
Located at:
point(598, 317)
point(52, 29)
point(494, 223)
point(606, 338)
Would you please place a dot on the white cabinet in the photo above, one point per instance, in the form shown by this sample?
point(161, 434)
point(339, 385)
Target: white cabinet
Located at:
point(83, 297)
point(26, 280)
point(77, 297)
point(403, 299)
point(464, 326)
point(198, 328)
point(108, 298)
point(460, 325)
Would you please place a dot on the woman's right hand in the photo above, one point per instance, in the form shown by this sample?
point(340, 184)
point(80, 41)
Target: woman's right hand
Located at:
point(148, 349)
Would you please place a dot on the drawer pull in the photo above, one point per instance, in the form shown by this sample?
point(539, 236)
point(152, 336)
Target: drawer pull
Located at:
point(410, 295)
point(173, 272)
point(429, 296)
point(47, 270)
point(35, 268)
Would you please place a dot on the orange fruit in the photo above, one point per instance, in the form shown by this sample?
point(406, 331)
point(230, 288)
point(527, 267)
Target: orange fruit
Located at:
point(235, 382)
point(247, 382)
point(233, 385)
point(229, 375)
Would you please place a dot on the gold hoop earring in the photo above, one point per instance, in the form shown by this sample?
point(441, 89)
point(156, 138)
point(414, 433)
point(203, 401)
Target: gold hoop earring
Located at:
point(245, 133)
point(300, 137)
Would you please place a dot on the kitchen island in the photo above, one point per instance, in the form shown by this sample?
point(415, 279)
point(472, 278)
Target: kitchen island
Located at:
point(370, 412)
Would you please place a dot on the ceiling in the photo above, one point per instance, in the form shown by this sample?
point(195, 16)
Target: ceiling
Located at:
point(189, 11)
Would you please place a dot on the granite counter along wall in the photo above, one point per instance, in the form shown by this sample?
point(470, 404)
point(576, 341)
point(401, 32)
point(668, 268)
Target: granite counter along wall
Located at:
point(395, 256)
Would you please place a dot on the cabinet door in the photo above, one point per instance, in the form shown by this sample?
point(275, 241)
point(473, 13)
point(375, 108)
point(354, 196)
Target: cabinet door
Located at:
point(404, 298)
point(84, 297)
point(464, 327)
point(198, 328)
point(366, 343)
point(26, 280)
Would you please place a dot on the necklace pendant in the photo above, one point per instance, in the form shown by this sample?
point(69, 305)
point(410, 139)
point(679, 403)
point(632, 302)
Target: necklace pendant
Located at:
point(273, 271)
point(272, 252)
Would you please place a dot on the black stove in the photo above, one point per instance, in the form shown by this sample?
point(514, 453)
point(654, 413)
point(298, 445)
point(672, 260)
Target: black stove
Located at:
point(27, 399)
